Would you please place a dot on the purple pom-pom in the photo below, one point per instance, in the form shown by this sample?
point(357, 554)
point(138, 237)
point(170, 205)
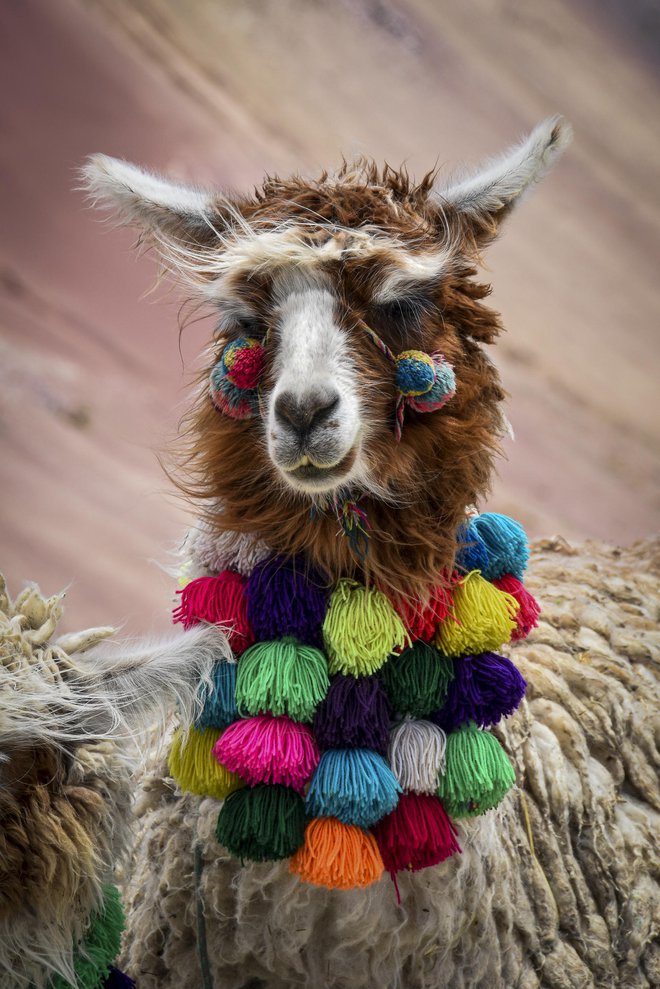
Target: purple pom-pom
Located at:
point(117, 980)
point(355, 714)
point(287, 597)
point(485, 689)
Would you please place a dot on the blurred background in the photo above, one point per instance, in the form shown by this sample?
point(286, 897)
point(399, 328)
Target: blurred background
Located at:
point(93, 378)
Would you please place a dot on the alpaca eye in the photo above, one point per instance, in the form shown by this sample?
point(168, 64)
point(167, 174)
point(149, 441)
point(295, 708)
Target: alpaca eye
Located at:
point(248, 326)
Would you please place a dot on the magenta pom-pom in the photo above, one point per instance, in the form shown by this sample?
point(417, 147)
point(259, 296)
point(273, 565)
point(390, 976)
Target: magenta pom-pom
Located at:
point(217, 600)
point(269, 749)
point(529, 611)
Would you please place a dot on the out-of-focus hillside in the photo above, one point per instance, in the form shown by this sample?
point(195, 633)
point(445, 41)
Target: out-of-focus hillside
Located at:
point(92, 381)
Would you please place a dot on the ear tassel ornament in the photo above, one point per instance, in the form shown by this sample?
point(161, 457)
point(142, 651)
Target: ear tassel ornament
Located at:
point(350, 733)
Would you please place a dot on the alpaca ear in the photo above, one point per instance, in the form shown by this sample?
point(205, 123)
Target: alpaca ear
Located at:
point(172, 216)
point(485, 197)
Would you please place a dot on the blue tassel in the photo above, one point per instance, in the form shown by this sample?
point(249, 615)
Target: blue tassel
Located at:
point(219, 708)
point(506, 545)
point(471, 551)
point(354, 785)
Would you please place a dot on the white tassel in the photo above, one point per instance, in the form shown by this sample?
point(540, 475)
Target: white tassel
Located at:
point(417, 755)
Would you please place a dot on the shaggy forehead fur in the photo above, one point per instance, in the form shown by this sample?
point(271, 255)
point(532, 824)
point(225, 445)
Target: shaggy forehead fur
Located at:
point(372, 236)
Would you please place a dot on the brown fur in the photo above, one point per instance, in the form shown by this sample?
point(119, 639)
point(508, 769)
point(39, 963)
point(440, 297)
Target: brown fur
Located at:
point(444, 460)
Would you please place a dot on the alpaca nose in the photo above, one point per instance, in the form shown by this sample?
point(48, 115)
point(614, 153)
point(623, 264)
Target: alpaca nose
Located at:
point(303, 412)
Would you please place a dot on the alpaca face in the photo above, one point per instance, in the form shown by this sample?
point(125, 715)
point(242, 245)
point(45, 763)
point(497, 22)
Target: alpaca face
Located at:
point(315, 269)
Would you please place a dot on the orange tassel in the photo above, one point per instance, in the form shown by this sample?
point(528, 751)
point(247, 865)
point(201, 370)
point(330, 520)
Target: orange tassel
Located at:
point(337, 856)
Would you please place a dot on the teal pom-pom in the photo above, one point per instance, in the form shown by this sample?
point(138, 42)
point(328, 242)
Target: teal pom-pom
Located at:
point(219, 699)
point(354, 785)
point(506, 545)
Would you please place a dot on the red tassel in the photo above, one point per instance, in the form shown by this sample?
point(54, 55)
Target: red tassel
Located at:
point(217, 600)
point(529, 611)
point(422, 620)
point(416, 834)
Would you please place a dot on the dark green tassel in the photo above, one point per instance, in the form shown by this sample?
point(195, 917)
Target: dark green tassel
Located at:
point(262, 823)
point(416, 681)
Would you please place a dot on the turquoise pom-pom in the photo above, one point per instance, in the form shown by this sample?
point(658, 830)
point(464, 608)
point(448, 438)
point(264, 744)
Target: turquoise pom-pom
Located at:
point(354, 785)
point(471, 550)
point(506, 545)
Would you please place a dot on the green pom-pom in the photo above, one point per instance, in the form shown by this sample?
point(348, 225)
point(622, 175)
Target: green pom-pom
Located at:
point(282, 677)
point(92, 960)
point(262, 823)
point(416, 681)
point(361, 629)
point(478, 772)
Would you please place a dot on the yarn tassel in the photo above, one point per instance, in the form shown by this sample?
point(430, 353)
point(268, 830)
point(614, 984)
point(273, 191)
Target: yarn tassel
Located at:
point(506, 544)
point(355, 714)
point(417, 755)
point(354, 785)
point(219, 700)
point(118, 980)
point(483, 619)
point(355, 526)
point(485, 689)
point(471, 550)
point(422, 620)
point(93, 959)
point(262, 823)
point(287, 597)
point(337, 856)
point(478, 773)
point(217, 600)
point(417, 834)
point(268, 749)
point(417, 679)
point(529, 608)
point(195, 770)
point(283, 677)
point(361, 629)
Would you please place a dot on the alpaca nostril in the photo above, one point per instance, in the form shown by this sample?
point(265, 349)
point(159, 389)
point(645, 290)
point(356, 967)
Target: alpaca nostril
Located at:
point(303, 412)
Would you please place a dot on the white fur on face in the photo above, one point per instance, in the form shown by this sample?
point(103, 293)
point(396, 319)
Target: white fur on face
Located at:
point(312, 357)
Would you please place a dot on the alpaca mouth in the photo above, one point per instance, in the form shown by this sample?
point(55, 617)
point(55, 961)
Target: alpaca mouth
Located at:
point(310, 475)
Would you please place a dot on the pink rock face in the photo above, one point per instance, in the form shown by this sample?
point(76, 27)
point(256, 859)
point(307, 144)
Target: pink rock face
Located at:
point(91, 379)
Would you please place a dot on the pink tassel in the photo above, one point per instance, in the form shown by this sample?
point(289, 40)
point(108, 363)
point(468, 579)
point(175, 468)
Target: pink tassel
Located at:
point(529, 611)
point(217, 600)
point(269, 749)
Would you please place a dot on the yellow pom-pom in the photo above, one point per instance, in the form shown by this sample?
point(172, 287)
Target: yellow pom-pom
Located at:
point(482, 620)
point(361, 629)
point(194, 767)
point(337, 856)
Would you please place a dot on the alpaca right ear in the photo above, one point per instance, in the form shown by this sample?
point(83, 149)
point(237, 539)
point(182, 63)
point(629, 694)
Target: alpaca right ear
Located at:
point(174, 217)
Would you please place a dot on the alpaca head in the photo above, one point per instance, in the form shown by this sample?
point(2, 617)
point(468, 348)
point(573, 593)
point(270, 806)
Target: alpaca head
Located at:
point(334, 278)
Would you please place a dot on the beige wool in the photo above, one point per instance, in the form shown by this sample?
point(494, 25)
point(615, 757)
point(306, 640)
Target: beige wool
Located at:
point(557, 889)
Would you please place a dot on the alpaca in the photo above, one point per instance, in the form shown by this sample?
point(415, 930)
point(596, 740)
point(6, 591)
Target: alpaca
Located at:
point(347, 419)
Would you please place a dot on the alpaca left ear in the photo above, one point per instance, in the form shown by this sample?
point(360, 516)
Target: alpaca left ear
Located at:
point(484, 198)
point(175, 218)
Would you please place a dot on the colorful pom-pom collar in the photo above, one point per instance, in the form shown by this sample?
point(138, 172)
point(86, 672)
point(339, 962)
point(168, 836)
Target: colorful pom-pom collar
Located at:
point(349, 735)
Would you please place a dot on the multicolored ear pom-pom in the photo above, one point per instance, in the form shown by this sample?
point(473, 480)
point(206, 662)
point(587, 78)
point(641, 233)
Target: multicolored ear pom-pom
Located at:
point(234, 381)
point(424, 383)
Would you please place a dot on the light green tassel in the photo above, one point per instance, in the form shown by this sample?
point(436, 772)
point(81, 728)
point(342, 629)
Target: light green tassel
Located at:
point(478, 772)
point(283, 677)
point(361, 629)
point(93, 959)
